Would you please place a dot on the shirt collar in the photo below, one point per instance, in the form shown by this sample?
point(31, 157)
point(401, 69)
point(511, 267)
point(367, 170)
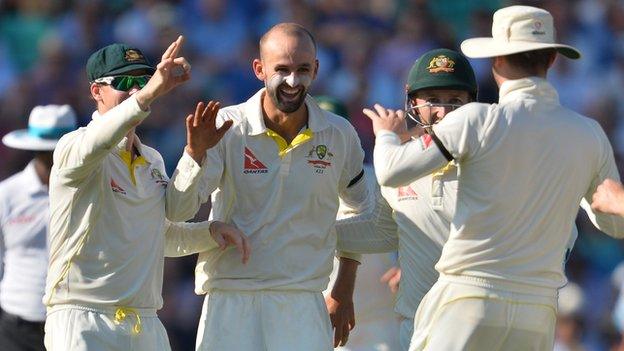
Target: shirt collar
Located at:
point(533, 86)
point(33, 184)
point(317, 120)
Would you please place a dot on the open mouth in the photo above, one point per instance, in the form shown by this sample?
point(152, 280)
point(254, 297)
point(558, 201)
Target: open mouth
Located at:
point(289, 94)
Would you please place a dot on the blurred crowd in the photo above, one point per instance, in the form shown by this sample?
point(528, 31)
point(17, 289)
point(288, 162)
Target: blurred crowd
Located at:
point(365, 50)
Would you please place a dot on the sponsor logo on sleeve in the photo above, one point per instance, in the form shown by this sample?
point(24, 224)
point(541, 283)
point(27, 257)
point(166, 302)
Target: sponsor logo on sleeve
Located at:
point(406, 193)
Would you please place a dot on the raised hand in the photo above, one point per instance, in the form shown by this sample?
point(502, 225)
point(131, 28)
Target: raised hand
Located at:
point(386, 119)
point(225, 234)
point(201, 130)
point(170, 72)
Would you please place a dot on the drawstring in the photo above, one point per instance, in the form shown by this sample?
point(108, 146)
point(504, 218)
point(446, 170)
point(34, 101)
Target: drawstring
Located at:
point(122, 312)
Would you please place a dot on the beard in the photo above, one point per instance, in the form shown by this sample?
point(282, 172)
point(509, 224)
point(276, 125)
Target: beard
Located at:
point(286, 98)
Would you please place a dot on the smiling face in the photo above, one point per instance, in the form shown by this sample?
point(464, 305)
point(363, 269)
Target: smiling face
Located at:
point(287, 66)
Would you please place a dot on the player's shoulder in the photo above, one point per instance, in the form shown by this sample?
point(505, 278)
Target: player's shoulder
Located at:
point(477, 109)
point(235, 113)
point(340, 124)
point(12, 184)
point(151, 154)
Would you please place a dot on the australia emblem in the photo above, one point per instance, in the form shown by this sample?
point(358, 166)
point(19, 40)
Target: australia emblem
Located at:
point(441, 63)
point(319, 157)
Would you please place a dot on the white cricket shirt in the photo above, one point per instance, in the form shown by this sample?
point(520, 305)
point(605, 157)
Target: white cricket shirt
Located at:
point(415, 219)
point(283, 197)
point(24, 216)
point(524, 165)
point(108, 214)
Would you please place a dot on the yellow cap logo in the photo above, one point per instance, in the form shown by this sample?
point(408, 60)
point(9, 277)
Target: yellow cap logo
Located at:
point(133, 55)
point(441, 63)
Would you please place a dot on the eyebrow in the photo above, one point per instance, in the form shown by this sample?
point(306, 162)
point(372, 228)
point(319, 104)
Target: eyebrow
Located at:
point(281, 65)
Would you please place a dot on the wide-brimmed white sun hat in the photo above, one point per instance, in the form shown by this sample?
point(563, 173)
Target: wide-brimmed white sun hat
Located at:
point(518, 29)
point(46, 125)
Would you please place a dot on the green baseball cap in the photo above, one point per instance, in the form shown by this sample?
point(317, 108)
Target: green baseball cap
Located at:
point(441, 69)
point(115, 60)
point(332, 105)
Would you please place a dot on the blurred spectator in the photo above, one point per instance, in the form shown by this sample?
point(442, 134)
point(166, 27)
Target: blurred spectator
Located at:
point(570, 324)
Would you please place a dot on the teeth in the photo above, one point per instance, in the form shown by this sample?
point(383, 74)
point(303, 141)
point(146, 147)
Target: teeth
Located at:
point(290, 93)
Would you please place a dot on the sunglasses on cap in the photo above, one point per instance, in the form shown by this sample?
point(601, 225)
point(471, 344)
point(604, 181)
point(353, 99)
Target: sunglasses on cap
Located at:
point(124, 83)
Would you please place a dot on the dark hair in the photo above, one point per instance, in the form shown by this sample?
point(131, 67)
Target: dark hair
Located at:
point(532, 62)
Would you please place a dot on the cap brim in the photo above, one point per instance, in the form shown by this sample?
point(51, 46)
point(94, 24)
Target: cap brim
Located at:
point(134, 67)
point(20, 139)
point(489, 47)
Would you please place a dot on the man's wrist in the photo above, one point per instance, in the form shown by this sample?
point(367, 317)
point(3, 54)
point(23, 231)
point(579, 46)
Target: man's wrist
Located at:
point(144, 99)
point(195, 155)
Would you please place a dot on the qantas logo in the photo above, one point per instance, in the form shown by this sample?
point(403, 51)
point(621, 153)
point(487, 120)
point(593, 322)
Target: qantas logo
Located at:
point(116, 188)
point(426, 140)
point(406, 193)
point(252, 164)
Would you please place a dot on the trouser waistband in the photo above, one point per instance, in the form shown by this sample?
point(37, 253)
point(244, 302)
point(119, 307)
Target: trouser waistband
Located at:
point(111, 310)
point(499, 284)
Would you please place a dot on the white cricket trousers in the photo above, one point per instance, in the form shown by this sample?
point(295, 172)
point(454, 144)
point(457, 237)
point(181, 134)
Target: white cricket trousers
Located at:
point(264, 321)
point(457, 316)
point(79, 328)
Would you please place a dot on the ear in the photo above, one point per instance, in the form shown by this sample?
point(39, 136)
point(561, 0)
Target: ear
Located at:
point(552, 59)
point(258, 69)
point(316, 68)
point(96, 92)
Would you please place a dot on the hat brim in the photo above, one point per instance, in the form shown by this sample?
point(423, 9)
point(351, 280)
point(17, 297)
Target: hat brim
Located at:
point(489, 47)
point(20, 139)
point(130, 68)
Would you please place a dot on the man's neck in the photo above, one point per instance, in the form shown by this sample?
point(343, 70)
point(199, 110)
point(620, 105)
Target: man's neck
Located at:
point(43, 171)
point(130, 141)
point(285, 125)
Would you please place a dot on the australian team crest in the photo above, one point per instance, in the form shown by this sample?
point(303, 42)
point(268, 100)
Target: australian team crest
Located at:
point(320, 157)
point(321, 151)
point(441, 63)
point(133, 55)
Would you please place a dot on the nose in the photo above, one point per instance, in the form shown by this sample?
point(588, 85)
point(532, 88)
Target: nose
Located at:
point(292, 80)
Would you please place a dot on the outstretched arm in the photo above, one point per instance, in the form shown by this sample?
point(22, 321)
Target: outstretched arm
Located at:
point(183, 239)
point(398, 164)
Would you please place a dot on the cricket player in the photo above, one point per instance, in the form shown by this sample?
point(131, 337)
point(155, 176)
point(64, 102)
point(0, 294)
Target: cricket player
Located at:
point(377, 323)
point(109, 201)
point(277, 176)
point(524, 165)
point(415, 219)
point(24, 218)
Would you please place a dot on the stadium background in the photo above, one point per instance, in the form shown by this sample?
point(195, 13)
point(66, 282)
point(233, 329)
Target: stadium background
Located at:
point(365, 50)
